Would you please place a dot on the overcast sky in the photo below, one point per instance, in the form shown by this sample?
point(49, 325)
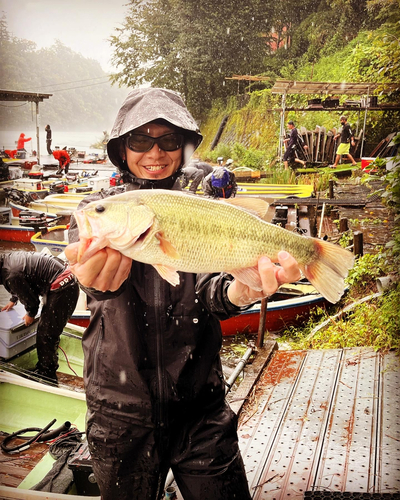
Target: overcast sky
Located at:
point(82, 25)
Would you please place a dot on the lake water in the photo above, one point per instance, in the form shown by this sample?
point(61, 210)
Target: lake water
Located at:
point(80, 140)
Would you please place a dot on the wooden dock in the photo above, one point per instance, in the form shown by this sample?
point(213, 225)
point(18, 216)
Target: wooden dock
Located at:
point(323, 420)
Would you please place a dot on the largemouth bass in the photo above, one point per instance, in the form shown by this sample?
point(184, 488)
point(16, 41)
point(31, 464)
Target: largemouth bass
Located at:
point(174, 231)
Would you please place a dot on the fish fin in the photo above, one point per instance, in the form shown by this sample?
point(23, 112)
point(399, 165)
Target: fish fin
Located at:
point(255, 205)
point(249, 276)
point(166, 246)
point(168, 273)
point(328, 271)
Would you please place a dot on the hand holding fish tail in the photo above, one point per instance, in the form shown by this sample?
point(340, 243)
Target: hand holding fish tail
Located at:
point(105, 271)
point(272, 277)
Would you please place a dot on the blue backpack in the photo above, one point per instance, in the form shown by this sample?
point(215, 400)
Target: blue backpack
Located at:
point(221, 185)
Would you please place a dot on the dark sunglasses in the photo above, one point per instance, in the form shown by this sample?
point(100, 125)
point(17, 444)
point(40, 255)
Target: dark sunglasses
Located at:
point(140, 143)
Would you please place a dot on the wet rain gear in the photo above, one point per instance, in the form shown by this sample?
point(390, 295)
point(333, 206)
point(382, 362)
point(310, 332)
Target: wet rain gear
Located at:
point(63, 159)
point(29, 276)
point(21, 141)
point(153, 376)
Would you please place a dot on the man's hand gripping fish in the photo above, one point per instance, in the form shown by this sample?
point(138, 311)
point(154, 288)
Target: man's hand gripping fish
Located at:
point(175, 231)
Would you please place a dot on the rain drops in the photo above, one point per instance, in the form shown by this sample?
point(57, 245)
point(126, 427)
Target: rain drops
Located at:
point(122, 376)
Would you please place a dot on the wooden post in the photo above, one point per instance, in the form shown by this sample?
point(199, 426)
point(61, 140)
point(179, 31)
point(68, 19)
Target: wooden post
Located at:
point(261, 324)
point(343, 225)
point(358, 243)
point(331, 192)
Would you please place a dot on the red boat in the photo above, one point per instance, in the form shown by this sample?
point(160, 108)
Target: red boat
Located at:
point(290, 307)
point(23, 227)
point(281, 313)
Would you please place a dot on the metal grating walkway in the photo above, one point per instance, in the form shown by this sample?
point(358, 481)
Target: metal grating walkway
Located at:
point(323, 421)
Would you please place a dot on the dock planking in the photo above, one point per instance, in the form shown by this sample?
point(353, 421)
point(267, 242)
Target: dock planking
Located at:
point(323, 421)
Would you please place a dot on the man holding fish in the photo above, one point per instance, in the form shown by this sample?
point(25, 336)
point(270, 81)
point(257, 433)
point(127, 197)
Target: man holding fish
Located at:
point(161, 268)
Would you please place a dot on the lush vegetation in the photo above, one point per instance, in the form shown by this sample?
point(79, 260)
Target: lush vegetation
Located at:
point(82, 95)
point(377, 322)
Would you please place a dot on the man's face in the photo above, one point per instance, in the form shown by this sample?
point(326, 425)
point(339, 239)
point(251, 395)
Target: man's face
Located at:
point(156, 163)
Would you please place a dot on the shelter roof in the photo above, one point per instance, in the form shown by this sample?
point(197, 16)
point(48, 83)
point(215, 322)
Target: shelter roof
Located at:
point(250, 78)
point(14, 95)
point(348, 88)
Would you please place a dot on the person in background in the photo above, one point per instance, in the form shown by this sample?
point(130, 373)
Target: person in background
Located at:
point(105, 139)
point(21, 142)
point(11, 153)
point(63, 158)
point(292, 144)
point(205, 167)
point(153, 376)
point(48, 139)
point(221, 183)
point(346, 138)
point(27, 276)
point(194, 174)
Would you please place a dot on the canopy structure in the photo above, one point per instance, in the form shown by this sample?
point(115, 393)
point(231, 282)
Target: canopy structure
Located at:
point(285, 87)
point(17, 95)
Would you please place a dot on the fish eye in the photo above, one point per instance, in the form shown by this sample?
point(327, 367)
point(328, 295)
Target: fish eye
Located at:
point(100, 208)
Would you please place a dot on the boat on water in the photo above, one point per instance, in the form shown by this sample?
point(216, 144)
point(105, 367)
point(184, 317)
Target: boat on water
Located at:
point(23, 227)
point(291, 306)
point(54, 239)
point(31, 406)
point(272, 190)
point(52, 204)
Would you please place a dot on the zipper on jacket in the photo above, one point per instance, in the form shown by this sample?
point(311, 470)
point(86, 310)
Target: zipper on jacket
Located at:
point(160, 410)
point(99, 341)
point(159, 288)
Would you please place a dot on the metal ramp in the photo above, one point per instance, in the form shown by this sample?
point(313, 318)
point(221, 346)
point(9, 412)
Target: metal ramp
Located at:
point(323, 421)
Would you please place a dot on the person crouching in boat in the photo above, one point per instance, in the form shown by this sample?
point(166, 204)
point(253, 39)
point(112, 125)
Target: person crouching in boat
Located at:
point(27, 276)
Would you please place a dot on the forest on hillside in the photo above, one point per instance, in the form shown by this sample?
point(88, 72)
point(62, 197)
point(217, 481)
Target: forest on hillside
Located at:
point(195, 46)
point(82, 96)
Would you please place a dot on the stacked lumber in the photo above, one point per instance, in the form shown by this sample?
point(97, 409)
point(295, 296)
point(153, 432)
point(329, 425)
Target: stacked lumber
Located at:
point(321, 145)
point(386, 148)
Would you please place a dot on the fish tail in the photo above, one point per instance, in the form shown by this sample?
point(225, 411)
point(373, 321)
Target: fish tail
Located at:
point(329, 269)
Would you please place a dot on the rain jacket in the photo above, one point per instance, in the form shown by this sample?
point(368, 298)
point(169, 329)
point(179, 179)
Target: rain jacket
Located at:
point(62, 156)
point(151, 349)
point(21, 141)
point(27, 276)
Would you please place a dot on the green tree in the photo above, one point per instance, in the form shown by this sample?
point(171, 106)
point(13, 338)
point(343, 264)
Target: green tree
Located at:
point(191, 46)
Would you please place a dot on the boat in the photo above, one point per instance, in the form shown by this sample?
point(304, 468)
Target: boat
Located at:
point(291, 306)
point(272, 190)
point(54, 238)
point(29, 404)
point(340, 170)
point(23, 227)
point(52, 204)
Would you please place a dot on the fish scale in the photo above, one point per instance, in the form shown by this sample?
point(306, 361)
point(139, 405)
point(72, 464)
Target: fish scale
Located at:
point(175, 231)
point(204, 230)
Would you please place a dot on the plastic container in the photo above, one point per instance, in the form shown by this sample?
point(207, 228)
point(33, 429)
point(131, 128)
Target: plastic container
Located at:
point(8, 351)
point(366, 161)
point(12, 325)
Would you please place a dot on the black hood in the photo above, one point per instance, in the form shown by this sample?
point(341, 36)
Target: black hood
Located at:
point(146, 105)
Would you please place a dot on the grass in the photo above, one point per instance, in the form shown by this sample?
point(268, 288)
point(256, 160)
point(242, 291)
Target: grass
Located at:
point(375, 323)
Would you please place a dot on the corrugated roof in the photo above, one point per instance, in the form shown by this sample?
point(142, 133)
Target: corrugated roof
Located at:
point(17, 95)
point(348, 88)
